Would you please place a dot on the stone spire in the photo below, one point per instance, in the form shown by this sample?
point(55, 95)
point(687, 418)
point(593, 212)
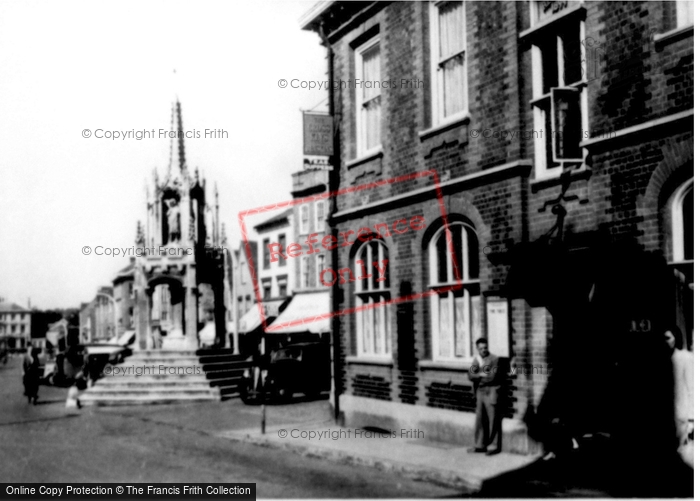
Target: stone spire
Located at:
point(177, 143)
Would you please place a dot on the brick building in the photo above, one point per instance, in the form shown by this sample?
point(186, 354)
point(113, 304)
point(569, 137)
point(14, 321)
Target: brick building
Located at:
point(561, 134)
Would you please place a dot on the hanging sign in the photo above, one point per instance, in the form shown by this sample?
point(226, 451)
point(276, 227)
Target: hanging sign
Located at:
point(318, 134)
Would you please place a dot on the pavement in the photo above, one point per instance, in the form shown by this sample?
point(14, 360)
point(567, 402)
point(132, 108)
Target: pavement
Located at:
point(409, 455)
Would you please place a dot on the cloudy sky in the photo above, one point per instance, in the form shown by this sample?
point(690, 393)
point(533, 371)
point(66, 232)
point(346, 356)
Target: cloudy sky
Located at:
point(68, 66)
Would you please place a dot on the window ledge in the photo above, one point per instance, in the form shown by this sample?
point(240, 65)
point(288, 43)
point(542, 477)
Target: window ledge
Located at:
point(445, 365)
point(663, 39)
point(386, 361)
point(538, 184)
point(451, 124)
point(549, 176)
point(683, 262)
point(366, 158)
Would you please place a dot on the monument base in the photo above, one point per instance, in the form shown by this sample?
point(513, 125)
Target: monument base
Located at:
point(182, 343)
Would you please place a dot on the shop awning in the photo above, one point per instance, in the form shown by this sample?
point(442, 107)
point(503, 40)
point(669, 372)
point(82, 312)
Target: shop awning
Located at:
point(127, 339)
point(103, 350)
point(251, 320)
point(308, 312)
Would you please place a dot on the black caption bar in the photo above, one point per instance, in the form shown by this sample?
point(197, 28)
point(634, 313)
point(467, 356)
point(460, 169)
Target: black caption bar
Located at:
point(30, 491)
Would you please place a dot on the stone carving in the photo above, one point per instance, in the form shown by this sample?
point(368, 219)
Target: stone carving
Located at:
point(173, 221)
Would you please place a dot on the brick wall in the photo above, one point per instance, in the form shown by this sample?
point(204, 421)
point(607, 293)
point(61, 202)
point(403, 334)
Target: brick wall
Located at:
point(640, 79)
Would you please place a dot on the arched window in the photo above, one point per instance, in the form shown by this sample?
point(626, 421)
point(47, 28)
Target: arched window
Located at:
point(682, 222)
point(372, 287)
point(455, 307)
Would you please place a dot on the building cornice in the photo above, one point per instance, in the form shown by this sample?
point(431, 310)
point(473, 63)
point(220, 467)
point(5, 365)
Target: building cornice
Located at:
point(312, 16)
point(505, 171)
point(669, 124)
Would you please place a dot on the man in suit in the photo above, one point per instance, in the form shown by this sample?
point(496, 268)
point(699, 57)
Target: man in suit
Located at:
point(484, 375)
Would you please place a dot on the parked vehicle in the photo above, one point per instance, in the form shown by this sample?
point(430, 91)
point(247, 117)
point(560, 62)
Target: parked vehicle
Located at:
point(85, 361)
point(295, 368)
point(66, 368)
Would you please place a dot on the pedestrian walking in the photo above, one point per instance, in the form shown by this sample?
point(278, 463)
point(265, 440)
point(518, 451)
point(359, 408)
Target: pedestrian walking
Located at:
point(31, 374)
point(484, 375)
point(73, 400)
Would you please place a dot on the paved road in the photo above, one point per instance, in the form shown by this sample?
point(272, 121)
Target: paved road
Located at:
point(175, 443)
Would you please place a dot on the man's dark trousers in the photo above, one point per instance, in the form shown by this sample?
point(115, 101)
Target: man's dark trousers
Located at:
point(488, 420)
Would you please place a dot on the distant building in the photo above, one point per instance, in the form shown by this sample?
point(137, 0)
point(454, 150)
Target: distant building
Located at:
point(311, 298)
point(243, 284)
point(243, 295)
point(57, 335)
point(276, 276)
point(123, 287)
point(97, 319)
point(15, 325)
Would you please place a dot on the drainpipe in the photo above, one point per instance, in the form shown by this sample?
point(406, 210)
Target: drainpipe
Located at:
point(334, 184)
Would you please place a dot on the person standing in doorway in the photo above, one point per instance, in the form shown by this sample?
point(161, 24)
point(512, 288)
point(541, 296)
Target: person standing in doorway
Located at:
point(683, 385)
point(484, 375)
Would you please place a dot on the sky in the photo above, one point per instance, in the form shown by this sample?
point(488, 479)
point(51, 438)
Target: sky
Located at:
point(70, 66)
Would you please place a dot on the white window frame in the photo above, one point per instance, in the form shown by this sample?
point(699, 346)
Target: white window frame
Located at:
point(684, 13)
point(305, 227)
point(283, 248)
point(436, 75)
point(468, 284)
point(320, 223)
point(543, 103)
point(305, 272)
point(362, 148)
point(266, 284)
point(266, 263)
point(677, 222)
point(282, 282)
point(320, 263)
point(375, 294)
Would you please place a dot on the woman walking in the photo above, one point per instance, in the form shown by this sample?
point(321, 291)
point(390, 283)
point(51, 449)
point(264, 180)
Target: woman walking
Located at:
point(31, 375)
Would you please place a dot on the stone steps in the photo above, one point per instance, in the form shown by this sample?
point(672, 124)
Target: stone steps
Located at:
point(186, 376)
point(110, 400)
point(161, 390)
point(151, 383)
